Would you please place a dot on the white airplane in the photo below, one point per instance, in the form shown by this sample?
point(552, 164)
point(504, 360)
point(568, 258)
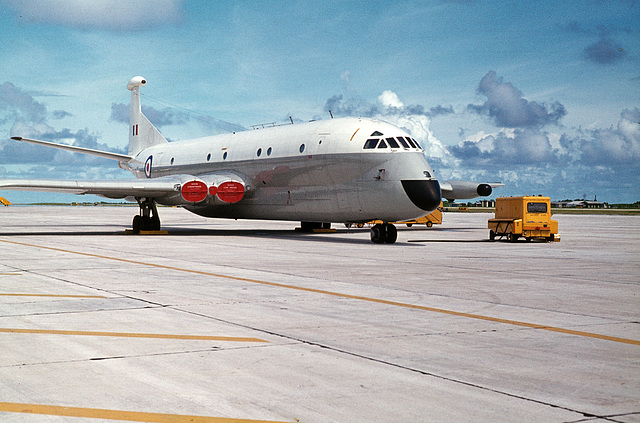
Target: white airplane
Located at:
point(347, 170)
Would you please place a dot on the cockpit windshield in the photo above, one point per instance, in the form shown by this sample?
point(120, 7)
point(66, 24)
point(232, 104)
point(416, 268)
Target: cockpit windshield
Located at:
point(406, 143)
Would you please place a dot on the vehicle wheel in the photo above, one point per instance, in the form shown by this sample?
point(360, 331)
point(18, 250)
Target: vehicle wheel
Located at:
point(137, 224)
point(409, 225)
point(378, 234)
point(429, 224)
point(492, 235)
point(392, 234)
point(513, 237)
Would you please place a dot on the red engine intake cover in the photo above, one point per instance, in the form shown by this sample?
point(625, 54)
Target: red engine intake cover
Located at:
point(230, 191)
point(194, 191)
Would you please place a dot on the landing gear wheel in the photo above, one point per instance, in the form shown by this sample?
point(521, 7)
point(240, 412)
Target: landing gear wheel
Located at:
point(392, 234)
point(384, 234)
point(378, 233)
point(137, 224)
point(148, 219)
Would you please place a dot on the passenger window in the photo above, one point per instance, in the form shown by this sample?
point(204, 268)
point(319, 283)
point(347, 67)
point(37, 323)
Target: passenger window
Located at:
point(411, 142)
point(371, 143)
point(393, 143)
point(377, 134)
point(403, 142)
point(383, 144)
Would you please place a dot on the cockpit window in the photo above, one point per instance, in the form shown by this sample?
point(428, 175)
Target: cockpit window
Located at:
point(410, 142)
point(377, 134)
point(382, 144)
point(393, 143)
point(403, 142)
point(371, 143)
point(416, 143)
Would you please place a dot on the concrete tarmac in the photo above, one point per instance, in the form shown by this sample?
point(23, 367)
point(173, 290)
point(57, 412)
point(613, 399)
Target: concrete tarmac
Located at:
point(238, 321)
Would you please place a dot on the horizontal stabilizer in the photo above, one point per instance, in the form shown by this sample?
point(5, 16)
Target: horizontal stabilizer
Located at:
point(83, 150)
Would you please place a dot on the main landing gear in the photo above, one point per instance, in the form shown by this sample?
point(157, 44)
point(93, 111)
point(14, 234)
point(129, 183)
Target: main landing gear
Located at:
point(384, 233)
point(148, 219)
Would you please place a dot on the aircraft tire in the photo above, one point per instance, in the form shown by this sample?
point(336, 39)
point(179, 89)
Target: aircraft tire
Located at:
point(392, 234)
point(378, 234)
point(137, 224)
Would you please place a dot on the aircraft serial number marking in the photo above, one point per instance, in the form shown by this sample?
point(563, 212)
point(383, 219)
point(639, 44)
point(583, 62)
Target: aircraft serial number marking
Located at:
point(131, 416)
point(355, 297)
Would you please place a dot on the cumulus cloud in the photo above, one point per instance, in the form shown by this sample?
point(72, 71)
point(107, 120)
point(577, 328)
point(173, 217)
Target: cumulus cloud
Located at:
point(508, 109)
point(615, 146)
point(100, 14)
point(415, 119)
point(507, 148)
point(30, 119)
point(605, 51)
point(16, 104)
point(164, 117)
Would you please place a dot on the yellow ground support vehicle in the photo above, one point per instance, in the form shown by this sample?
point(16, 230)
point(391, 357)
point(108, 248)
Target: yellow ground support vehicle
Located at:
point(433, 218)
point(4, 201)
point(528, 217)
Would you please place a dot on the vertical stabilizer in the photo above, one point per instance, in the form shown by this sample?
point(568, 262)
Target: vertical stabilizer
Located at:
point(142, 134)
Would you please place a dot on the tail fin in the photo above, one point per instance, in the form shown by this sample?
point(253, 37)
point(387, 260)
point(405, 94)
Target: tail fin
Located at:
point(142, 133)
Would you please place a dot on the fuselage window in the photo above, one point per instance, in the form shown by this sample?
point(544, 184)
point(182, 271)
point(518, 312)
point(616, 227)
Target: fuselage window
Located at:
point(377, 134)
point(172, 159)
point(224, 156)
point(403, 142)
point(410, 142)
point(393, 143)
point(371, 143)
point(259, 152)
point(382, 144)
point(209, 157)
point(269, 150)
point(302, 148)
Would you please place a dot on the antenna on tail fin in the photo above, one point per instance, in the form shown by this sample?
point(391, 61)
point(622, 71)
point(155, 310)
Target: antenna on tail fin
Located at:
point(142, 133)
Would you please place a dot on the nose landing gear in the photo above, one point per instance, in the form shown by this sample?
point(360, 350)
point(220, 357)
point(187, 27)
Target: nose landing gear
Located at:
point(384, 233)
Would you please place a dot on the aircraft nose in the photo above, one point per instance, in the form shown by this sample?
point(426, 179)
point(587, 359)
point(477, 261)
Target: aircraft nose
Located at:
point(425, 194)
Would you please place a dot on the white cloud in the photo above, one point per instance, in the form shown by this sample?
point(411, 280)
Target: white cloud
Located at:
point(100, 14)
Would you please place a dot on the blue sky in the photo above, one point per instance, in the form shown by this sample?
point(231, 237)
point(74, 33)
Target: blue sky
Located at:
point(543, 95)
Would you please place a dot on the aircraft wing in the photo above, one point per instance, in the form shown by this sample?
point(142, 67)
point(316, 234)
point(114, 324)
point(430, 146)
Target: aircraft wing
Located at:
point(150, 188)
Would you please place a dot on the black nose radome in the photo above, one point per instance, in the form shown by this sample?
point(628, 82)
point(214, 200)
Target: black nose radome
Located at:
point(424, 194)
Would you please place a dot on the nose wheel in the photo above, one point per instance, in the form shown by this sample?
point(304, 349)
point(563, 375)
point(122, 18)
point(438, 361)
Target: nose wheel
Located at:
point(384, 233)
point(148, 219)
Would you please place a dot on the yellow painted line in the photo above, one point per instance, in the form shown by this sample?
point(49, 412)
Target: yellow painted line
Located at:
point(130, 416)
point(49, 295)
point(10, 274)
point(132, 335)
point(341, 295)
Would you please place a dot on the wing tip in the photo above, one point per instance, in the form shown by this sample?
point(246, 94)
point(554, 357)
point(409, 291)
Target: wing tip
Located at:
point(17, 138)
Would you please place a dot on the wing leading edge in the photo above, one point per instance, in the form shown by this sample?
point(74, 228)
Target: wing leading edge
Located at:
point(160, 188)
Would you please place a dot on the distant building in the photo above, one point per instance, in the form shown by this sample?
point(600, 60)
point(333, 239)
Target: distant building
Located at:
point(580, 204)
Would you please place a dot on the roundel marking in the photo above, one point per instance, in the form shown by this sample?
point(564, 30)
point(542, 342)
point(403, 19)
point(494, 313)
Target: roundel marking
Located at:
point(194, 191)
point(213, 190)
point(147, 166)
point(230, 191)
